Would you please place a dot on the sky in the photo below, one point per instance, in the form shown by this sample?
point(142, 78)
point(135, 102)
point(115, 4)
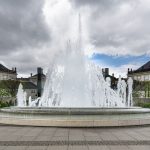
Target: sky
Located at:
point(116, 33)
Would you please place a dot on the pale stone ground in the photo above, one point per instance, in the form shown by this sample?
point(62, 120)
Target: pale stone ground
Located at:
point(48, 138)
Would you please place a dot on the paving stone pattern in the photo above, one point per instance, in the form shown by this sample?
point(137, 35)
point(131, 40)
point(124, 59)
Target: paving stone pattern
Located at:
point(47, 138)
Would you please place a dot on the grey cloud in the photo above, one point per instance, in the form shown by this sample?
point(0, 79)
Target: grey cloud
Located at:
point(98, 6)
point(104, 3)
point(21, 25)
point(23, 31)
point(25, 61)
point(118, 24)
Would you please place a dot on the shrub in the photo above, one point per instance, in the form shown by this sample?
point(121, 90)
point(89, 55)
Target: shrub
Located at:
point(4, 104)
point(144, 105)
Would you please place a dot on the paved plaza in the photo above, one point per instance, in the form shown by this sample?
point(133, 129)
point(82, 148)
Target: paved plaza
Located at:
point(48, 138)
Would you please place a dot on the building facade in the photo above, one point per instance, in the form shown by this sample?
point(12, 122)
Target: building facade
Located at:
point(30, 89)
point(7, 74)
point(35, 78)
point(34, 85)
point(141, 74)
point(141, 85)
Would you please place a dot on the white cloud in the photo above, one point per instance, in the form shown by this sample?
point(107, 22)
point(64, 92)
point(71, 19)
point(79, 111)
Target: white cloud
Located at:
point(118, 27)
point(122, 70)
point(114, 27)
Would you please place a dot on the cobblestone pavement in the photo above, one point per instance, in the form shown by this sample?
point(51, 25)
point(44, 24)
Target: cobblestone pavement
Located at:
point(48, 138)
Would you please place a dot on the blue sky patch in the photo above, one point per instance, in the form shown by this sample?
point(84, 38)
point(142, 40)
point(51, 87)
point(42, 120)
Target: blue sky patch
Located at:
point(118, 61)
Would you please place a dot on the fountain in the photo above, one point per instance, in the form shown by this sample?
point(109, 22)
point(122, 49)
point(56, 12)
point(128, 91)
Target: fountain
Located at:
point(76, 94)
point(74, 81)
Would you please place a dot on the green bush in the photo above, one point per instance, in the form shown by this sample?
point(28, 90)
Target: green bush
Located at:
point(144, 105)
point(8, 88)
point(4, 104)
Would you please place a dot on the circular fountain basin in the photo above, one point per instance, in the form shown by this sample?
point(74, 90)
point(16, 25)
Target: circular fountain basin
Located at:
point(74, 117)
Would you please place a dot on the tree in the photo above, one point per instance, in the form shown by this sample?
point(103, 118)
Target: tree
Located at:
point(9, 87)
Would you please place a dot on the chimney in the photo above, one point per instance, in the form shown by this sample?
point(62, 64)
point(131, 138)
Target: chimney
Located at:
point(106, 71)
point(39, 80)
point(40, 70)
point(113, 75)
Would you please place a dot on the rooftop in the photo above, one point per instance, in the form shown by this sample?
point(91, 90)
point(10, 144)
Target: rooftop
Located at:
point(29, 85)
point(144, 68)
point(4, 69)
point(35, 76)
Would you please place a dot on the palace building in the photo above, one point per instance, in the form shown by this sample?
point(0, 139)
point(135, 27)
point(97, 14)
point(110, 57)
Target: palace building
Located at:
point(33, 85)
point(141, 74)
point(7, 74)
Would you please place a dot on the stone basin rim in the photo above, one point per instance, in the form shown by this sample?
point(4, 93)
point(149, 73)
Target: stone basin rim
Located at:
point(74, 111)
point(75, 117)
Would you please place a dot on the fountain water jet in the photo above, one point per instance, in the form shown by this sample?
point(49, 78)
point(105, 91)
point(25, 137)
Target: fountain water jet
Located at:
point(74, 81)
point(21, 97)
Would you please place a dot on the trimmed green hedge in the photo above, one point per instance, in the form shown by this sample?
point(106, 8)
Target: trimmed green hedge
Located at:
point(144, 105)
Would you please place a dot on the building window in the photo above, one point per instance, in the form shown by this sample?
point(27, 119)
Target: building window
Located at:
point(5, 77)
point(32, 91)
point(146, 77)
point(139, 78)
point(142, 78)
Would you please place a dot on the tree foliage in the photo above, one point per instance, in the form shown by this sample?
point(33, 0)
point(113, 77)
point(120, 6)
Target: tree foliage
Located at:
point(8, 87)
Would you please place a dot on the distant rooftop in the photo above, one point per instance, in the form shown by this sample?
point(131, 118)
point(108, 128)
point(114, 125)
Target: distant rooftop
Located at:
point(34, 76)
point(23, 79)
point(4, 69)
point(144, 68)
point(29, 85)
